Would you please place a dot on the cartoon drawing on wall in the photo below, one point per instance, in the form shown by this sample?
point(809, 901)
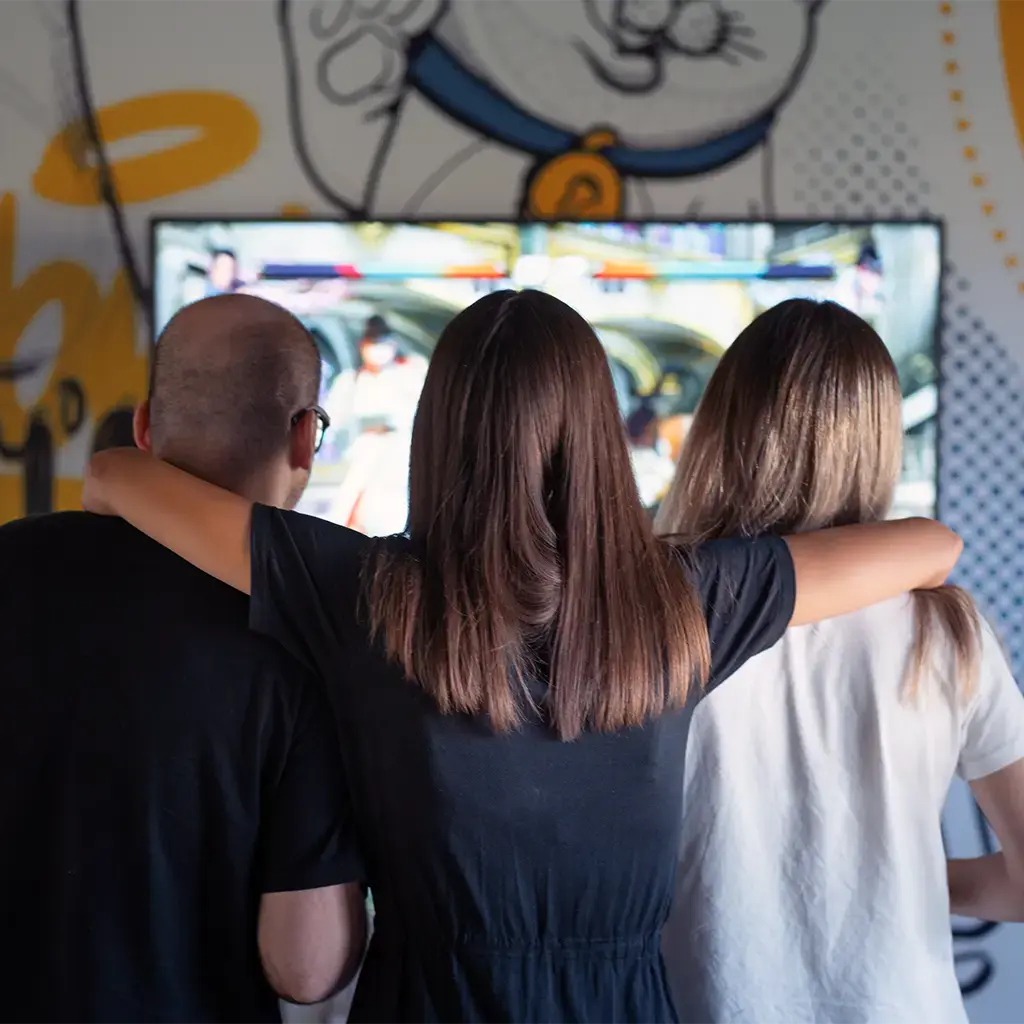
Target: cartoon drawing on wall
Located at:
point(587, 109)
point(85, 390)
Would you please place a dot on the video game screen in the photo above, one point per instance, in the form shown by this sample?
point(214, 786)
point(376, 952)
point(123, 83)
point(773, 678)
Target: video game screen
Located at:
point(666, 300)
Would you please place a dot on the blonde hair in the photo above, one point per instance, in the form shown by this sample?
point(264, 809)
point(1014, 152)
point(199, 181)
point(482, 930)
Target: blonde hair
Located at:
point(800, 429)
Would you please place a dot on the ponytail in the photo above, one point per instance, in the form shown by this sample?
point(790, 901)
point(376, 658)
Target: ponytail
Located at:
point(954, 612)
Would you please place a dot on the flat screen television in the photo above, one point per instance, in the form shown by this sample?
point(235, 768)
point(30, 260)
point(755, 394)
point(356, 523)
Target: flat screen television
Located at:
point(666, 300)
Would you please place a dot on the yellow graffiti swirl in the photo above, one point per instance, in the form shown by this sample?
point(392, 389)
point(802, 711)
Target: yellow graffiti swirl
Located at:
point(1011, 33)
point(225, 130)
point(97, 347)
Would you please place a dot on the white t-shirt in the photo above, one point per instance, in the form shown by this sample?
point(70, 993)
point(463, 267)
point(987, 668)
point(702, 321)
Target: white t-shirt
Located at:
point(812, 880)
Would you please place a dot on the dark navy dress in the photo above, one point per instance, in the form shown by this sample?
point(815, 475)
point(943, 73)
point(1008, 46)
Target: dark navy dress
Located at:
point(515, 877)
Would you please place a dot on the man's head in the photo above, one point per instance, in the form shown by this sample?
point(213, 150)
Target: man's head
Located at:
point(231, 394)
point(223, 269)
point(377, 347)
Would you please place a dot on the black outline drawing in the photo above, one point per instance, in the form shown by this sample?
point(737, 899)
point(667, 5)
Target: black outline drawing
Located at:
point(731, 41)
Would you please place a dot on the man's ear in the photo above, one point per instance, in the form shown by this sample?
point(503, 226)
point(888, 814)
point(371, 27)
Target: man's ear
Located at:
point(140, 427)
point(303, 442)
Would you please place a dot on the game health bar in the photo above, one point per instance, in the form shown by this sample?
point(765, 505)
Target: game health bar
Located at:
point(720, 270)
point(380, 272)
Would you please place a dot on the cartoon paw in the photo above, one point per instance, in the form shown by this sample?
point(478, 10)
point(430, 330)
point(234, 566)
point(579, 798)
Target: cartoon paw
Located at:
point(365, 43)
point(346, 63)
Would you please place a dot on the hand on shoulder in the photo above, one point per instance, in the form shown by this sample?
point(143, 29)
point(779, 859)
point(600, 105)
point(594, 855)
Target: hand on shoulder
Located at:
point(104, 468)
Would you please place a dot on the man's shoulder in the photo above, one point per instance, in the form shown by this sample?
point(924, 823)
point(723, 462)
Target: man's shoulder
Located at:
point(112, 573)
point(85, 534)
point(104, 555)
point(56, 527)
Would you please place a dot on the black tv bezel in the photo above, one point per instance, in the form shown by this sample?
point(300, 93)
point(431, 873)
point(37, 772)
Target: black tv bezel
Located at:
point(938, 223)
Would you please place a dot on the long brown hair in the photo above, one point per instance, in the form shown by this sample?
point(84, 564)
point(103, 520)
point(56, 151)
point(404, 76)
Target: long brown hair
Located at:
point(529, 549)
point(800, 429)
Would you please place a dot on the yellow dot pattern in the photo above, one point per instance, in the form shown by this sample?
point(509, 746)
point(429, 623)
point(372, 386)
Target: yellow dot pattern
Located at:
point(965, 129)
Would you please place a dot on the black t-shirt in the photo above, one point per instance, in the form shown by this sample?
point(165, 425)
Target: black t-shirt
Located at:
point(161, 767)
point(515, 877)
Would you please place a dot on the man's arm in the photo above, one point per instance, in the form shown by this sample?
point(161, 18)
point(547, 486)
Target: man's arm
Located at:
point(311, 941)
point(312, 924)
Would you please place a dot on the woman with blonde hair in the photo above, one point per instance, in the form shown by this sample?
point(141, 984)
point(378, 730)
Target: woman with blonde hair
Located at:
point(813, 882)
point(514, 675)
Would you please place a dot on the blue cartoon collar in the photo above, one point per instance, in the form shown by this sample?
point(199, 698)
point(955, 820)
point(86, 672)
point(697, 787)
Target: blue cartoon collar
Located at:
point(443, 80)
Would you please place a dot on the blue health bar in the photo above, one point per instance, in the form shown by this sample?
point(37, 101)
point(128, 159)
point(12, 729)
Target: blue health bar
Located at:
point(742, 270)
point(384, 271)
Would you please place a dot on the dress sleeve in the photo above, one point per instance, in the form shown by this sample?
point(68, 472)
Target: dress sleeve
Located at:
point(305, 584)
point(307, 835)
point(748, 589)
point(992, 731)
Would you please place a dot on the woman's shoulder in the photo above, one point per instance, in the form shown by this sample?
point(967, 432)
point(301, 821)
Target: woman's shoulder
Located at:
point(719, 554)
point(308, 581)
point(895, 615)
point(732, 572)
point(876, 642)
point(887, 624)
point(304, 550)
point(328, 537)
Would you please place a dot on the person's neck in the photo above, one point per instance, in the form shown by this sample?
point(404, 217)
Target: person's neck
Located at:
point(261, 488)
point(263, 492)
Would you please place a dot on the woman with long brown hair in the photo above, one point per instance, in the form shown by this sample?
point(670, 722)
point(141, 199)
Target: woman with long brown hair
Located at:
point(812, 882)
point(514, 676)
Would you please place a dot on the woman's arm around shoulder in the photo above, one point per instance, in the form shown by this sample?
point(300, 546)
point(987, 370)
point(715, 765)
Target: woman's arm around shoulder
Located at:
point(302, 573)
point(851, 567)
point(752, 589)
point(204, 524)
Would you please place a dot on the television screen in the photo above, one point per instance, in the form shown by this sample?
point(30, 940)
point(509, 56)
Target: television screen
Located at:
point(666, 301)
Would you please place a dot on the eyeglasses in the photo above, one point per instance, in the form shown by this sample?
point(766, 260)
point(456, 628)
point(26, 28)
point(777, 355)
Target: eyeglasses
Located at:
point(323, 422)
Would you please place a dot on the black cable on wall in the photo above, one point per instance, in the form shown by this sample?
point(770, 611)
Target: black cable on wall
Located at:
point(107, 188)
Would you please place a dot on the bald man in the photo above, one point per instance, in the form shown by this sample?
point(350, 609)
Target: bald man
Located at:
point(174, 830)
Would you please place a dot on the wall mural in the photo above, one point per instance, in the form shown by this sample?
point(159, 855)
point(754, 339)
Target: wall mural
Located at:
point(98, 370)
point(578, 109)
point(600, 110)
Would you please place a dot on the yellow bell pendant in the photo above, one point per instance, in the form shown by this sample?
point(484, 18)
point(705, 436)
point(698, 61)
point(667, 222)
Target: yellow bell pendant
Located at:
point(579, 185)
